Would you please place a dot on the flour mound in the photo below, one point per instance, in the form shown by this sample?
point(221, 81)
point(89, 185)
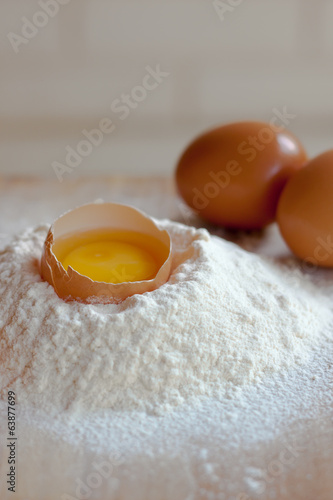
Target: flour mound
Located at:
point(224, 319)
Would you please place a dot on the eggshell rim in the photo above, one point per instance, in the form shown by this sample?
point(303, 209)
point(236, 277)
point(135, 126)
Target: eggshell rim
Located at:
point(66, 282)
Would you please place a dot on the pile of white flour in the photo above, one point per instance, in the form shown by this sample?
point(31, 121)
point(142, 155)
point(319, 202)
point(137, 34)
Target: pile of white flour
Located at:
point(225, 319)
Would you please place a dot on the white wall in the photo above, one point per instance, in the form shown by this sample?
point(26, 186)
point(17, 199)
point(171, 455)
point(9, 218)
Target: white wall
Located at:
point(265, 54)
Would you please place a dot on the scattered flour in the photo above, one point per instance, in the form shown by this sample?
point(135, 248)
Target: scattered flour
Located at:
point(225, 319)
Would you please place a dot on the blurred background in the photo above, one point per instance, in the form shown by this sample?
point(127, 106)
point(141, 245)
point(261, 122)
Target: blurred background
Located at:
point(161, 72)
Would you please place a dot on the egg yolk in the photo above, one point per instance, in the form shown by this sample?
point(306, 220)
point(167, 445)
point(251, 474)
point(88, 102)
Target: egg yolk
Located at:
point(111, 257)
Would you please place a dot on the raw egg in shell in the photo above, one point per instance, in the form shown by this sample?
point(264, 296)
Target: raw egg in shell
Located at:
point(305, 212)
point(105, 252)
point(233, 175)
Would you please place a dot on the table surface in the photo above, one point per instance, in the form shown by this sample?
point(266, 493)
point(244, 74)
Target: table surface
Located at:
point(27, 202)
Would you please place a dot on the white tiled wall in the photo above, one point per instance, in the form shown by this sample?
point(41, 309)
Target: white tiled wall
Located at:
point(264, 54)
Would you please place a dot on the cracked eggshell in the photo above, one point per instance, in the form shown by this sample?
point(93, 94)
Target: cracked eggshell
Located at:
point(71, 285)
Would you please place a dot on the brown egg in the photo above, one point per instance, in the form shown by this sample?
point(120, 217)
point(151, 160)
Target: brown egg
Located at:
point(233, 175)
point(305, 212)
